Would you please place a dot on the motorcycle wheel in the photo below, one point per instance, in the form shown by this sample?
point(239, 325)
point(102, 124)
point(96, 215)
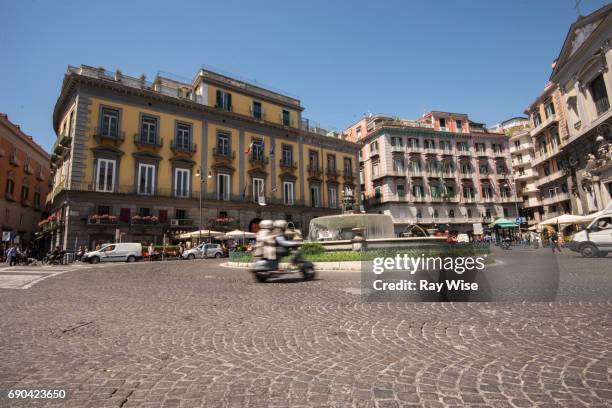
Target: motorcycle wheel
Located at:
point(261, 277)
point(308, 274)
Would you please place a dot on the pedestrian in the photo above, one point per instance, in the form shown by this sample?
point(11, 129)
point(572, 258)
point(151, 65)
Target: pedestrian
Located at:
point(12, 255)
point(181, 250)
point(554, 242)
point(150, 251)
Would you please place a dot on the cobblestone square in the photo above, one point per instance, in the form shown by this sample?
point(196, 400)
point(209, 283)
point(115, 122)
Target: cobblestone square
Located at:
point(196, 334)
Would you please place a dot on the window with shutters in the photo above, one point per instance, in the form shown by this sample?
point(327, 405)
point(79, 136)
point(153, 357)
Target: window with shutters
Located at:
point(224, 100)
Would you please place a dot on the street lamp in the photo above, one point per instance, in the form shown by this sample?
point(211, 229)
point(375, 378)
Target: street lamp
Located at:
point(202, 184)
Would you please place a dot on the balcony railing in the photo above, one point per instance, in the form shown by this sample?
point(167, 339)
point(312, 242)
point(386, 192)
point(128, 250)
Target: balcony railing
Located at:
point(550, 178)
point(288, 165)
point(602, 105)
point(142, 141)
point(555, 198)
point(223, 153)
point(99, 136)
point(104, 219)
point(183, 147)
point(181, 222)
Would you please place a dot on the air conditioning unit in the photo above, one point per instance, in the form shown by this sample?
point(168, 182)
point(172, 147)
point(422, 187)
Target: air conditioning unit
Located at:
point(174, 222)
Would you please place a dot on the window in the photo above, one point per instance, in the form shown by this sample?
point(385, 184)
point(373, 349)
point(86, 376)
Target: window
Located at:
point(500, 168)
point(258, 188)
point(450, 191)
point(287, 155)
point(537, 119)
point(313, 160)
point(331, 162)
point(415, 167)
point(288, 197)
point(25, 192)
point(148, 129)
point(554, 137)
point(183, 136)
point(223, 144)
point(549, 109)
point(224, 100)
point(315, 196)
point(463, 147)
point(374, 147)
point(517, 144)
point(103, 210)
point(419, 214)
point(519, 158)
point(348, 167)
point(358, 133)
point(459, 125)
point(257, 154)
point(146, 179)
point(466, 168)
point(286, 118)
point(435, 213)
point(418, 191)
point(10, 186)
point(332, 193)
point(398, 165)
point(468, 192)
point(451, 213)
point(599, 94)
point(181, 182)
point(375, 169)
point(377, 193)
point(436, 191)
point(484, 168)
point(445, 145)
point(109, 125)
point(480, 147)
point(442, 123)
point(506, 212)
point(401, 191)
point(144, 212)
point(36, 199)
point(180, 214)
point(106, 175)
point(257, 110)
point(223, 186)
point(397, 141)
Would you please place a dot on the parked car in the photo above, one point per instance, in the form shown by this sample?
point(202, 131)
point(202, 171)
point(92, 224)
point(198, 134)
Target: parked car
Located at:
point(204, 251)
point(596, 239)
point(119, 252)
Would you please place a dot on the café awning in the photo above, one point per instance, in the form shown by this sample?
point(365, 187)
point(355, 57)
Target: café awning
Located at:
point(503, 223)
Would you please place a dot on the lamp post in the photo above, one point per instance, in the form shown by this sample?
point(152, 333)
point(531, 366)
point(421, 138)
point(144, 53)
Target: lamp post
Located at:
point(202, 184)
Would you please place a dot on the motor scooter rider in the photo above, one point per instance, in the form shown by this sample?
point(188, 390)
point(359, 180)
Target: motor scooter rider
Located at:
point(283, 245)
point(265, 229)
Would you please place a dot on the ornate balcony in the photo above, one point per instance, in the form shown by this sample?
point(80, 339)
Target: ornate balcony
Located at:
point(188, 148)
point(116, 138)
point(141, 142)
point(223, 156)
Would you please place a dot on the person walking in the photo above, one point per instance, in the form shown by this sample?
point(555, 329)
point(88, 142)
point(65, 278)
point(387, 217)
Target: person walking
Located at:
point(12, 255)
point(181, 249)
point(150, 251)
point(554, 242)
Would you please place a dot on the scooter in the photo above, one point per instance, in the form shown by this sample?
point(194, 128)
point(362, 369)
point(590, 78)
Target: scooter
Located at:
point(264, 269)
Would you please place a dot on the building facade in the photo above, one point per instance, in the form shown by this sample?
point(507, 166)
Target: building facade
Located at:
point(582, 72)
point(24, 181)
point(440, 171)
point(134, 159)
point(549, 134)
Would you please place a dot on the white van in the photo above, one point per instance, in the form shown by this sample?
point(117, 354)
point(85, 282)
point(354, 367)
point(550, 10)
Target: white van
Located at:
point(596, 239)
point(120, 252)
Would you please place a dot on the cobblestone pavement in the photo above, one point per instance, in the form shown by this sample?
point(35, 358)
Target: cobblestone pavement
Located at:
point(194, 334)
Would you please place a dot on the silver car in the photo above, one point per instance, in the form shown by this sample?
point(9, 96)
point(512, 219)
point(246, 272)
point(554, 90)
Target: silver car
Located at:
point(204, 251)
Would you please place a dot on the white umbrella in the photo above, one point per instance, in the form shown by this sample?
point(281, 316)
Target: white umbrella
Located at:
point(238, 234)
point(203, 233)
point(566, 219)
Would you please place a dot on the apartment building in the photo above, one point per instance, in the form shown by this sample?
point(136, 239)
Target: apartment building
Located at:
point(522, 152)
point(549, 134)
point(441, 171)
point(139, 160)
point(582, 72)
point(24, 181)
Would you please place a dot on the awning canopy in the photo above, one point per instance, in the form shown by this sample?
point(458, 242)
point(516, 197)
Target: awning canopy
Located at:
point(503, 223)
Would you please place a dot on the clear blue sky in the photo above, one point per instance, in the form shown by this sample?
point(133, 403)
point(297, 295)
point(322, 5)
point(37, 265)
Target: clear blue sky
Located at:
point(488, 59)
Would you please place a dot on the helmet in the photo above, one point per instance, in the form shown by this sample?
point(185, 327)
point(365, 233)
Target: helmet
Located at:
point(266, 224)
point(282, 224)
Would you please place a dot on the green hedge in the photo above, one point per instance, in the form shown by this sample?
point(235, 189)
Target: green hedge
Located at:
point(345, 256)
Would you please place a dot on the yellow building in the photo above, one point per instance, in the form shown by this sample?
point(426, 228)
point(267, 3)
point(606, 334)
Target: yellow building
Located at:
point(134, 158)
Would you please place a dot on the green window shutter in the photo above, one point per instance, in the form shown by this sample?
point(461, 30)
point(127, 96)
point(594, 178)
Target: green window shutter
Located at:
point(218, 98)
point(229, 101)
